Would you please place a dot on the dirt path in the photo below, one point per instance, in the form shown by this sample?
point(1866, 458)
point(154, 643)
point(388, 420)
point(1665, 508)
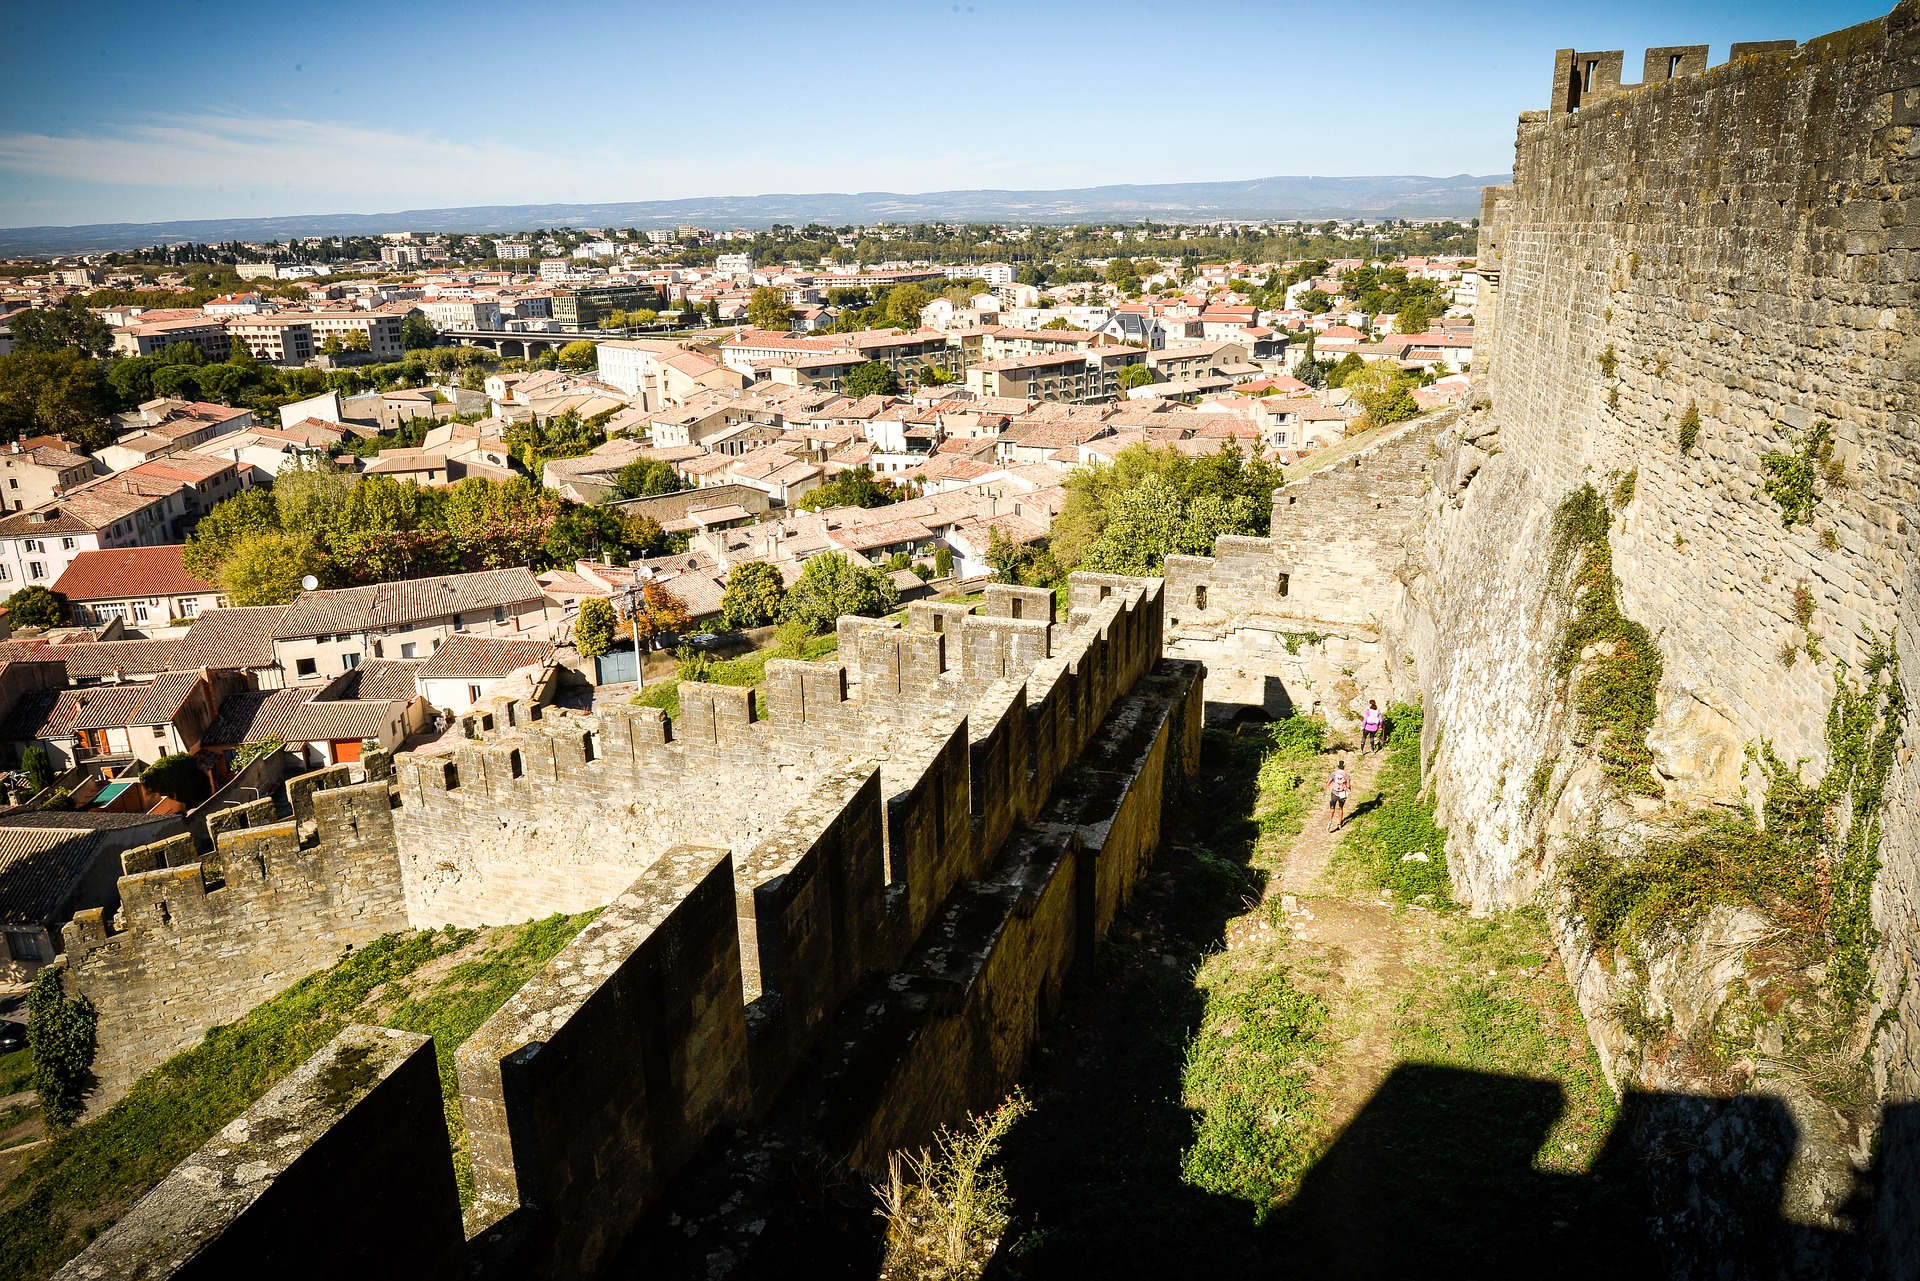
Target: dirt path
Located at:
point(1363, 948)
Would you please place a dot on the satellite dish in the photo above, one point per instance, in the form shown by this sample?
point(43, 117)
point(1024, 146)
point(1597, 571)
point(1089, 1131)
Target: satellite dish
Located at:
point(309, 582)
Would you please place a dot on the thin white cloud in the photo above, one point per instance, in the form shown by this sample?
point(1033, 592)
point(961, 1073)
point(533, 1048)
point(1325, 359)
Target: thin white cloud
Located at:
point(312, 164)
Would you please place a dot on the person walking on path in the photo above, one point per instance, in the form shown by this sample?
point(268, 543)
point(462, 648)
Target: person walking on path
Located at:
point(1372, 724)
point(1337, 788)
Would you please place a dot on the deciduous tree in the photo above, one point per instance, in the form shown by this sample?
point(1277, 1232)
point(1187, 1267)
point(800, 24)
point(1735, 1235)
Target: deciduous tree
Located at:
point(754, 595)
point(872, 379)
point(830, 585)
point(767, 309)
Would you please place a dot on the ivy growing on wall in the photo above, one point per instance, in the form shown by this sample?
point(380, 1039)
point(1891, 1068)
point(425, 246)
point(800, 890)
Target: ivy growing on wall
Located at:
point(1614, 695)
point(1690, 428)
point(1797, 479)
point(1807, 860)
point(61, 1030)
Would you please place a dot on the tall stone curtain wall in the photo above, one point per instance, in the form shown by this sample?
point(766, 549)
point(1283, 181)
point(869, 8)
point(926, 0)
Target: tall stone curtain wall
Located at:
point(1745, 241)
point(873, 964)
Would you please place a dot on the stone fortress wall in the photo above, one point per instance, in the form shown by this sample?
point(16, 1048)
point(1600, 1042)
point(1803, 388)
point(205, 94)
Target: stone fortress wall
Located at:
point(1745, 240)
point(852, 974)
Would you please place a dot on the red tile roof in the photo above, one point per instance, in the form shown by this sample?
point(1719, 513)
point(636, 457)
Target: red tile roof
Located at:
point(122, 573)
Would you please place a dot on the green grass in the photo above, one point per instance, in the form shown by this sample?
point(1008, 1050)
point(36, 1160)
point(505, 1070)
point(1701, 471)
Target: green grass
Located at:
point(1248, 1080)
point(748, 669)
point(1499, 1003)
point(91, 1174)
point(1398, 823)
point(16, 1072)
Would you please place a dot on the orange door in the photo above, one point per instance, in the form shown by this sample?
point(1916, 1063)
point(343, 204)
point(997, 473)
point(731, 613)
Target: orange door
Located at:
point(348, 750)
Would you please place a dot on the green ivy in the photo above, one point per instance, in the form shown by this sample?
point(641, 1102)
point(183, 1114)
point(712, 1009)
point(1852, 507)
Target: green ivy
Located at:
point(61, 1030)
point(1294, 640)
point(1807, 861)
point(1614, 696)
point(1795, 478)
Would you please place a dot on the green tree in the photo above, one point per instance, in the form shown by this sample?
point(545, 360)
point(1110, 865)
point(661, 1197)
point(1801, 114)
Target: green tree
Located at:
point(943, 562)
point(594, 627)
point(62, 393)
point(181, 381)
point(830, 585)
point(61, 1032)
point(499, 523)
point(251, 511)
point(177, 775)
point(1350, 364)
point(905, 303)
point(855, 487)
point(311, 496)
point(645, 477)
point(1385, 394)
point(1135, 376)
point(417, 332)
point(35, 607)
point(132, 379)
point(1314, 302)
point(1144, 526)
point(1242, 483)
point(767, 309)
point(69, 326)
point(872, 379)
point(266, 568)
point(753, 596)
point(580, 355)
point(38, 769)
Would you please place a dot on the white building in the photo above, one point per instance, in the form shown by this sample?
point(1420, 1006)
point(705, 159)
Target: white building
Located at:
point(461, 313)
point(733, 264)
point(512, 250)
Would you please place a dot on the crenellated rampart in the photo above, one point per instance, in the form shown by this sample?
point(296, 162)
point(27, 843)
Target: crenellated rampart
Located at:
point(200, 939)
point(873, 950)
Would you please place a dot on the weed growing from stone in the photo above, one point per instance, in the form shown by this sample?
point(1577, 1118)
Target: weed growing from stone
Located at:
point(947, 1207)
point(1829, 541)
point(1803, 603)
point(1690, 428)
point(1294, 640)
point(1808, 865)
point(1609, 361)
point(1798, 478)
point(1624, 483)
point(1620, 666)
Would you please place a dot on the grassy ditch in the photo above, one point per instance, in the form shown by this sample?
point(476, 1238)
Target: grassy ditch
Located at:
point(1393, 842)
point(1249, 1081)
point(748, 669)
point(443, 983)
point(1618, 664)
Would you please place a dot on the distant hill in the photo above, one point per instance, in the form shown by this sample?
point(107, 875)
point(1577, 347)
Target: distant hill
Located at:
point(1379, 197)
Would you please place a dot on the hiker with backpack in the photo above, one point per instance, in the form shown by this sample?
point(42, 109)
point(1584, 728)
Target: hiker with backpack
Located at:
point(1337, 788)
point(1372, 728)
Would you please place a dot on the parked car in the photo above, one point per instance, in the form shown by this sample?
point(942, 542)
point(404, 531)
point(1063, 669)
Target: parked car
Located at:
point(13, 1036)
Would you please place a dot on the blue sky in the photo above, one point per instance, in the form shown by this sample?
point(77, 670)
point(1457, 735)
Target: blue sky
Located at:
point(112, 113)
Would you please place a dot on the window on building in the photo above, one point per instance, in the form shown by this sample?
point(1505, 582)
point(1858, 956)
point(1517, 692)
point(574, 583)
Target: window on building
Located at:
point(159, 731)
point(24, 945)
point(305, 666)
point(6, 574)
point(473, 693)
point(459, 623)
point(499, 613)
point(349, 661)
point(66, 544)
point(36, 570)
point(409, 650)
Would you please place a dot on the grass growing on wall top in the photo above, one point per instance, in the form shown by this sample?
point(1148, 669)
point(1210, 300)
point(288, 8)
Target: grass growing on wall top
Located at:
point(748, 669)
point(1387, 832)
point(1614, 695)
point(93, 1173)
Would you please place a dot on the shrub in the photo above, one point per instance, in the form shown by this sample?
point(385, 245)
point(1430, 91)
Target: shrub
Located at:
point(943, 562)
point(753, 595)
point(178, 775)
point(61, 1031)
point(1609, 361)
point(692, 664)
point(38, 769)
point(790, 640)
point(1300, 733)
